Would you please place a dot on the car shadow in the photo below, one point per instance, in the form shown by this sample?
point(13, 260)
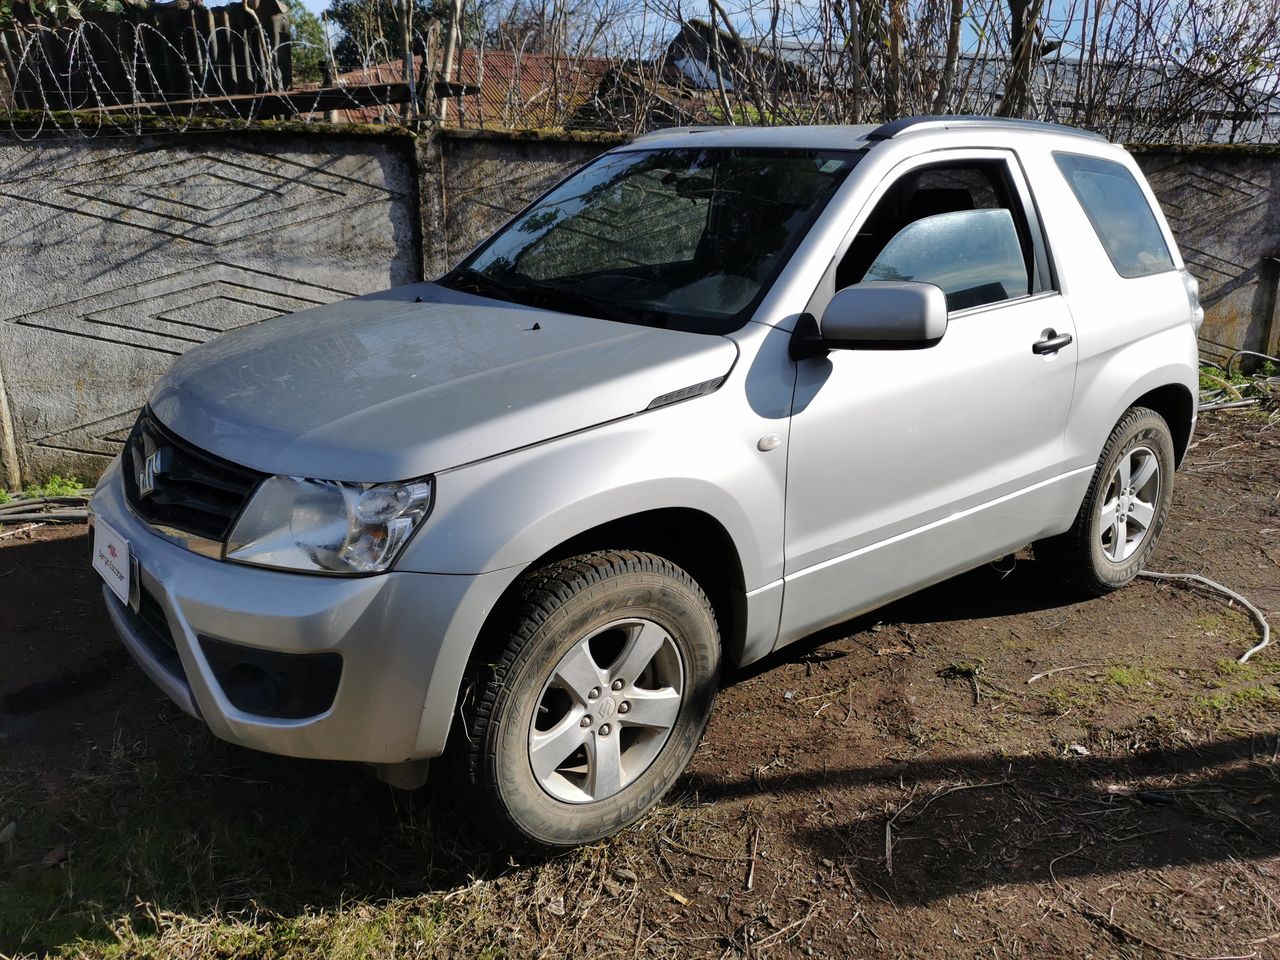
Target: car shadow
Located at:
point(950, 827)
point(984, 593)
point(1027, 587)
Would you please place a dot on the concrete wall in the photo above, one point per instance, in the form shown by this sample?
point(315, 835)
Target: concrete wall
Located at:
point(118, 254)
point(1223, 204)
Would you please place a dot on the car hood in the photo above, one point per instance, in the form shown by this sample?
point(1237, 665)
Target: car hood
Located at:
point(390, 386)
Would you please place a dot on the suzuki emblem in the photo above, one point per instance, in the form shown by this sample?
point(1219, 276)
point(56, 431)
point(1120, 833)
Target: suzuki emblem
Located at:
point(154, 467)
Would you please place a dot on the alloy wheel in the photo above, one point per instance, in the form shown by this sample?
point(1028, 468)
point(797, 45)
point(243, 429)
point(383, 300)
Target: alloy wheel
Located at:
point(606, 711)
point(1129, 507)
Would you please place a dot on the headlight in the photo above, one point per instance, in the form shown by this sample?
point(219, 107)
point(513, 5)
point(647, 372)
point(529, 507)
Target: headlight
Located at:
point(321, 525)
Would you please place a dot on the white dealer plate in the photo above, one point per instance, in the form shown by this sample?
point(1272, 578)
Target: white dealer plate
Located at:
point(111, 559)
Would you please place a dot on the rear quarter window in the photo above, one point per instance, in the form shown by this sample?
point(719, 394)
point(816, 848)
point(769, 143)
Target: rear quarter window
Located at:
point(1119, 212)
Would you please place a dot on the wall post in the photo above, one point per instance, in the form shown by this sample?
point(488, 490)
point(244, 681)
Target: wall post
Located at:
point(8, 442)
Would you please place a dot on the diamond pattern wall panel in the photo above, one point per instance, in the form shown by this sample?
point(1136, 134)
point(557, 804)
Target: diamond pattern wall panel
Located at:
point(116, 256)
point(1224, 209)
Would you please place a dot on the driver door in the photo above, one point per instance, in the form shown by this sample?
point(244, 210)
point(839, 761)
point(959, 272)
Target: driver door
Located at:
point(907, 466)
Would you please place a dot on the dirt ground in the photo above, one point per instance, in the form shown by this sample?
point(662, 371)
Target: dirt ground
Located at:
point(896, 787)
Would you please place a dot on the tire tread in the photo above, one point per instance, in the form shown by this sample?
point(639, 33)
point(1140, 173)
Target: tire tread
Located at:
point(1069, 554)
point(540, 594)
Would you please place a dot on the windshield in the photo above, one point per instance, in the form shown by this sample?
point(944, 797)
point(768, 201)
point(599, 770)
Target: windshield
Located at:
point(689, 238)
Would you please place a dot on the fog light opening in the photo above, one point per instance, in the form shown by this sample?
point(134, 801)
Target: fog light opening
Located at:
point(252, 689)
point(271, 683)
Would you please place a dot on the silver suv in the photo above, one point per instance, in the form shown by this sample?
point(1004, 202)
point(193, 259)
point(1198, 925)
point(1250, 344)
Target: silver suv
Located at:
point(718, 389)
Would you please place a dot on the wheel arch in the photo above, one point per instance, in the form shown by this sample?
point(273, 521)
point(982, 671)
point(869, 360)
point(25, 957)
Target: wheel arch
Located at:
point(1174, 402)
point(689, 538)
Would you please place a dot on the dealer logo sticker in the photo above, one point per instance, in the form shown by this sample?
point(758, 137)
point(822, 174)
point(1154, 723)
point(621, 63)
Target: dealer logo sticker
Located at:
point(111, 559)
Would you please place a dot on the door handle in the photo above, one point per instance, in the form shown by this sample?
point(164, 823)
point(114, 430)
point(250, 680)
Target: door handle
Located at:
point(1052, 342)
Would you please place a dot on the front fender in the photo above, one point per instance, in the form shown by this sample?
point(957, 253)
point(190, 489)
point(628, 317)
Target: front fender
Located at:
point(701, 454)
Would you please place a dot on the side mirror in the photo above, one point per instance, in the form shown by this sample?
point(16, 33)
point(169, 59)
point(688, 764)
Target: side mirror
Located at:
point(888, 314)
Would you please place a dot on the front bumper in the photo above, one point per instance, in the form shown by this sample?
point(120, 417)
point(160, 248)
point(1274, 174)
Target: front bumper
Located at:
point(404, 639)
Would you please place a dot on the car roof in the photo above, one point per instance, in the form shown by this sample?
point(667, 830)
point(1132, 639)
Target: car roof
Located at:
point(833, 137)
point(851, 137)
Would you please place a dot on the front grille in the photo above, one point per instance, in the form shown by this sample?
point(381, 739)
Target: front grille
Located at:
point(170, 483)
point(152, 616)
point(151, 627)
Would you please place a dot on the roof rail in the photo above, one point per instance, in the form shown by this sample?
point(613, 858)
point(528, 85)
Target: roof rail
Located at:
point(892, 129)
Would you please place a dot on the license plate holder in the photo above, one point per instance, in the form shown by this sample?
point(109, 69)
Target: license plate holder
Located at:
point(114, 561)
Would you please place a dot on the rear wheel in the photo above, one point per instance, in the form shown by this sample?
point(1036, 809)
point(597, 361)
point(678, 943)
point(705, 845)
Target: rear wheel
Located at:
point(604, 685)
point(1124, 510)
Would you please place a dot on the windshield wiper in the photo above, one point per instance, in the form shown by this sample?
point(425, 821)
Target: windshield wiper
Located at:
point(473, 281)
point(589, 302)
point(549, 295)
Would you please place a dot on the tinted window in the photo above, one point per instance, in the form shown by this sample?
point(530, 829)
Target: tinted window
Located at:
point(973, 255)
point(1119, 213)
point(928, 192)
point(690, 238)
point(639, 221)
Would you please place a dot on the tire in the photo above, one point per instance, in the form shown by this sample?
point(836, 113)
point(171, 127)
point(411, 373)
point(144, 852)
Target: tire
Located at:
point(627, 717)
point(1099, 556)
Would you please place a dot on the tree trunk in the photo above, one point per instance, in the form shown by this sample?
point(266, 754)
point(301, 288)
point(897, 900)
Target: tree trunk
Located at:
point(947, 83)
point(450, 45)
point(717, 64)
point(1024, 20)
point(893, 27)
point(404, 19)
point(855, 45)
point(748, 61)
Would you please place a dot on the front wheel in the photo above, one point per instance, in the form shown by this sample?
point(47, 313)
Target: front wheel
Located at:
point(1124, 510)
point(596, 703)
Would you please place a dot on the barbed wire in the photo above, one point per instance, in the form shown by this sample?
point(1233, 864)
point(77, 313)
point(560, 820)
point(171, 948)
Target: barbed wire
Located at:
point(116, 76)
point(88, 79)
